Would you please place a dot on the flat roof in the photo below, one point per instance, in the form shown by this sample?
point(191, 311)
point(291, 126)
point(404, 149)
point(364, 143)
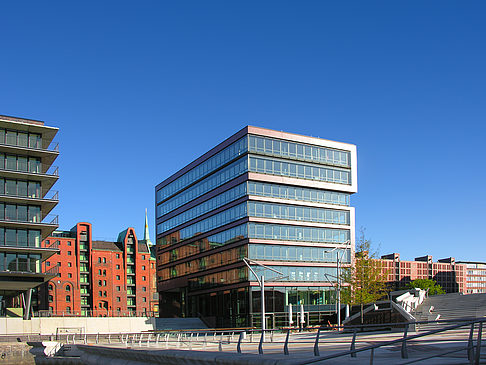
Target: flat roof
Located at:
point(321, 142)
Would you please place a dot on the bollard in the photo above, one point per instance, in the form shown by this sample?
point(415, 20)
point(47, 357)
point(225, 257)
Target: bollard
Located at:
point(316, 344)
point(167, 340)
point(97, 337)
point(148, 339)
point(404, 343)
point(286, 345)
point(271, 336)
point(109, 338)
point(353, 344)
point(220, 347)
point(157, 339)
point(372, 355)
point(140, 340)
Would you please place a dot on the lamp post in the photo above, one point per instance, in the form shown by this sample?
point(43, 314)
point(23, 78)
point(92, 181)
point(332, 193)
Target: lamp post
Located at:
point(261, 282)
point(338, 280)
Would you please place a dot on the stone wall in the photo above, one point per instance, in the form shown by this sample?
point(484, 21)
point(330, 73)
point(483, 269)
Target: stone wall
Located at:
point(51, 325)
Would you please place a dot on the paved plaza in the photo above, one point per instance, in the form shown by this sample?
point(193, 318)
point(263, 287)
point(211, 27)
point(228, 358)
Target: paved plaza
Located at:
point(301, 349)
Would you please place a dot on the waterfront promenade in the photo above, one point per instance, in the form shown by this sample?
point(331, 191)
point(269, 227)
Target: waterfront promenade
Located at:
point(223, 350)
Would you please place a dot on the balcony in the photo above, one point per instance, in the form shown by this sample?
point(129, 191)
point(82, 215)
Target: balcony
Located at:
point(45, 173)
point(15, 247)
point(24, 278)
point(46, 199)
point(47, 226)
point(47, 153)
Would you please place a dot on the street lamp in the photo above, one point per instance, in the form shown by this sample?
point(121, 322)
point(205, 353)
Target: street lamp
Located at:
point(261, 282)
point(338, 279)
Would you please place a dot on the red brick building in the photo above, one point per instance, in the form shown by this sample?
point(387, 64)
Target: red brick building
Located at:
point(451, 276)
point(98, 278)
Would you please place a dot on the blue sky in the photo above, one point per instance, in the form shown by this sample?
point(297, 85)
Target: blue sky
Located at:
point(139, 89)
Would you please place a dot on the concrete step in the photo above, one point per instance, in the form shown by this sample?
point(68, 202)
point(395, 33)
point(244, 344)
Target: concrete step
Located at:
point(179, 323)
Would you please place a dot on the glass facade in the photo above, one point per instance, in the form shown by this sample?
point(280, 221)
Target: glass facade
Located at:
point(203, 208)
point(207, 224)
point(297, 253)
point(306, 171)
point(219, 178)
point(297, 193)
point(236, 149)
point(298, 151)
point(298, 213)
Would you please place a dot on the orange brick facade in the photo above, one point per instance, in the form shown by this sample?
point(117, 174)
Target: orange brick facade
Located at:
point(99, 278)
point(451, 276)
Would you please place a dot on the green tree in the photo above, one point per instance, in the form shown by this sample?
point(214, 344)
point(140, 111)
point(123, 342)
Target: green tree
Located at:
point(426, 284)
point(366, 278)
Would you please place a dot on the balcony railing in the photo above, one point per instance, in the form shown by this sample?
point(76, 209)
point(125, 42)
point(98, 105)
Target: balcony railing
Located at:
point(42, 169)
point(53, 270)
point(49, 195)
point(51, 219)
point(53, 147)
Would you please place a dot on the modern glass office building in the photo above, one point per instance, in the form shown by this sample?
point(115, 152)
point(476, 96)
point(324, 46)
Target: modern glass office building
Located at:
point(26, 199)
point(279, 199)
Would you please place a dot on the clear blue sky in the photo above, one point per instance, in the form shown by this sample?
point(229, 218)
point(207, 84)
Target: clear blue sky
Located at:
point(139, 89)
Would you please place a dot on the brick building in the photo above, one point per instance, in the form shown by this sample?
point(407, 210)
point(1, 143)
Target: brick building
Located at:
point(98, 278)
point(475, 276)
point(451, 276)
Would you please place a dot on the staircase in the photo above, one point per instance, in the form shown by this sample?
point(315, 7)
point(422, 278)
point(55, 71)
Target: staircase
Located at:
point(179, 324)
point(449, 307)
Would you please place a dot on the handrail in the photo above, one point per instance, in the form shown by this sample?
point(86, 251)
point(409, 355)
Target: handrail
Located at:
point(49, 195)
point(399, 340)
point(53, 146)
point(44, 169)
point(48, 219)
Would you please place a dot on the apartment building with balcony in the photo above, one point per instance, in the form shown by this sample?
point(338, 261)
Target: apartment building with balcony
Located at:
point(26, 200)
point(98, 278)
point(278, 199)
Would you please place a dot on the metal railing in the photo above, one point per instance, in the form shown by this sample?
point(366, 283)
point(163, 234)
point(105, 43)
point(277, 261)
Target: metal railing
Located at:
point(53, 270)
point(53, 147)
point(48, 219)
point(94, 313)
point(49, 195)
point(43, 169)
point(233, 339)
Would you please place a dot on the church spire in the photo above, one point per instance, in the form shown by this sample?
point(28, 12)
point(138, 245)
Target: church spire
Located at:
point(146, 235)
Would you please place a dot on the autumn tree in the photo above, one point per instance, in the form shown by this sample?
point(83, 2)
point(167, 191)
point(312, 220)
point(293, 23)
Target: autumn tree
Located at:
point(366, 277)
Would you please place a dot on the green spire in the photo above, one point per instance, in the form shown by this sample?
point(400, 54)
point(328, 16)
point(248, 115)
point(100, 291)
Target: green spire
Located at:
point(146, 235)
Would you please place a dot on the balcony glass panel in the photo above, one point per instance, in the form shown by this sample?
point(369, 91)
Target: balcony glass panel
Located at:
point(20, 262)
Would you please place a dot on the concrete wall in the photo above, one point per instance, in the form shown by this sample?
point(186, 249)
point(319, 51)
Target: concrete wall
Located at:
point(47, 326)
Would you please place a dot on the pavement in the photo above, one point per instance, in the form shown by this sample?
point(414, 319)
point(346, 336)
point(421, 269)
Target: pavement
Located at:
point(301, 349)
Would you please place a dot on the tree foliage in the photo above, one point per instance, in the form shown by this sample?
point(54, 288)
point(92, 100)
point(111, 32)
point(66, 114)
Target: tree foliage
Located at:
point(367, 277)
point(426, 284)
